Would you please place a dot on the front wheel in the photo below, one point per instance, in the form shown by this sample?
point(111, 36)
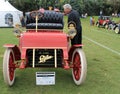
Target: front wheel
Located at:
point(117, 30)
point(106, 26)
point(97, 24)
point(104, 23)
point(79, 70)
point(9, 67)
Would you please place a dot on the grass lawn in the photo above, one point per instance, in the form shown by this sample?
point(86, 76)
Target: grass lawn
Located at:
point(102, 49)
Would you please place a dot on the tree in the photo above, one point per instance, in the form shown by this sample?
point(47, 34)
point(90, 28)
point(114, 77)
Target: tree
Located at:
point(115, 4)
point(92, 7)
point(77, 5)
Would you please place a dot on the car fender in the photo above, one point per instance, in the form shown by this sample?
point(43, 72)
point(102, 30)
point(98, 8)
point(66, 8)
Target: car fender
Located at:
point(15, 49)
point(71, 50)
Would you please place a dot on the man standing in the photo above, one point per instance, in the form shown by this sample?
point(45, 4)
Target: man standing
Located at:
point(90, 21)
point(73, 16)
point(101, 14)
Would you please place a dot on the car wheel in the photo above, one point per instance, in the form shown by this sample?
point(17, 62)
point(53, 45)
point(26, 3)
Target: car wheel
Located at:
point(79, 70)
point(117, 30)
point(97, 25)
point(9, 67)
point(104, 23)
point(106, 26)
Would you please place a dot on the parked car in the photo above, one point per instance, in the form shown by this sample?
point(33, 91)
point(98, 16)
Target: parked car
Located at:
point(111, 25)
point(44, 44)
point(103, 21)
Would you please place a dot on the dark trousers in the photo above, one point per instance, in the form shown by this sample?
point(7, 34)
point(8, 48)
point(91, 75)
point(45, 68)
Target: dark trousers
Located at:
point(78, 37)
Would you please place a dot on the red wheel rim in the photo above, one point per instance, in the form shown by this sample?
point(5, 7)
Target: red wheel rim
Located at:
point(11, 67)
point(77, 66)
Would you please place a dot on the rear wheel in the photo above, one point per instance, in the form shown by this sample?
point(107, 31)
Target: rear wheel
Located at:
point(104, 23)
point(106, 26)
point(117, 30)
point(79, 70)
point(9, 67)
point(97, 24)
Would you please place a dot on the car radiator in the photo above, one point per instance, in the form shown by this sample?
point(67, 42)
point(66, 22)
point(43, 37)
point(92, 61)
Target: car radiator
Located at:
point(44, 57)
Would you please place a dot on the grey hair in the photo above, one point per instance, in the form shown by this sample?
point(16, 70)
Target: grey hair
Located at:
point(67, 6)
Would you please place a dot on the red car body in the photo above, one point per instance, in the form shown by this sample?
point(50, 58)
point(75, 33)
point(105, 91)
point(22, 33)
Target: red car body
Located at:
point(46, 40)
point(43, 39)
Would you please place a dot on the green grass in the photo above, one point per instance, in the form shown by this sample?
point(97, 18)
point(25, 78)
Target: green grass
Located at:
point(103, 75)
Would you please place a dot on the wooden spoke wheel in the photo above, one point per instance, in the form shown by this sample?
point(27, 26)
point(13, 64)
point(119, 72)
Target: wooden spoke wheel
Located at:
point(79, 70)
point(106, 26)
point(9, 67)
point(104, 23)
point(117, 30)
point(97, 24)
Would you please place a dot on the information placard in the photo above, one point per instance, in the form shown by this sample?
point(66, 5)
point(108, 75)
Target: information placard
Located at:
point(45, 78)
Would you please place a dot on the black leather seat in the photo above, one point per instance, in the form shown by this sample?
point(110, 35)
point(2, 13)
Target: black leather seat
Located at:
point(50, 20)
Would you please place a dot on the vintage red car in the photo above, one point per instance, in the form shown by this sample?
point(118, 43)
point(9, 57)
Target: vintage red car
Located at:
point(103, 21)
point(44, 44)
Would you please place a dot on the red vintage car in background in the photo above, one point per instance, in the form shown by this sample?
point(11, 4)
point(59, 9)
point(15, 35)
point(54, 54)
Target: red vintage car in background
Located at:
point(44, 44)
point(103, 21)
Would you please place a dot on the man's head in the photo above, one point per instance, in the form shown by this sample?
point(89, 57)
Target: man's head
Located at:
point(67, 8)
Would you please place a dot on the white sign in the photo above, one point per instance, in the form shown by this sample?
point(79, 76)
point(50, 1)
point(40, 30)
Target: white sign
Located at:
point(45, 78)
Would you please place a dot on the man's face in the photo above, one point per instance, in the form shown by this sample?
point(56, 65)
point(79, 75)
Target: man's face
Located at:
point(67, 11)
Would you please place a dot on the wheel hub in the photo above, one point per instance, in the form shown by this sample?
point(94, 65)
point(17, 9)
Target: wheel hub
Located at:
point(77, 66)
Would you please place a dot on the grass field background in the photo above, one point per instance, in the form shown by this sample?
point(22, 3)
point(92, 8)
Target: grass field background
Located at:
point(103, 76)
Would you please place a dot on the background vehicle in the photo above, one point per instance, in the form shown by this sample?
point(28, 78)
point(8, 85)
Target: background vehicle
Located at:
point(113, 26)
point(103, 21)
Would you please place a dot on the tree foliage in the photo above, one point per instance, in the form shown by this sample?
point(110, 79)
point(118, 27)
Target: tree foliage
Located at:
point(92, 7)
point(78, 5)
